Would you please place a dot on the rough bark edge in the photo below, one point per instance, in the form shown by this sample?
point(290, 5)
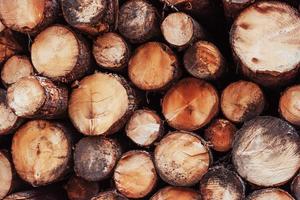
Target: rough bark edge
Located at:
point(114, 192)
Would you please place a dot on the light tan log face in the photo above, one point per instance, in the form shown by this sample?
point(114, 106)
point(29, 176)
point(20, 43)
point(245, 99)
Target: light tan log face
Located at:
point(265, 41)
point(6, 175)
point(101, 104)
point(109, 195)
point(190, 104)
point(242, 101)
point(135, 174)
point(41, 152)
point(178, 193)
point(268, 194)
point(153, 66)
point(182, 158)
point(80, 189)
point(262, 149)
point(220, 183)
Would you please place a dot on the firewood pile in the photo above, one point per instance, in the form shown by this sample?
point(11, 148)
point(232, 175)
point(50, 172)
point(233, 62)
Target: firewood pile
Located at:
point(149, 99)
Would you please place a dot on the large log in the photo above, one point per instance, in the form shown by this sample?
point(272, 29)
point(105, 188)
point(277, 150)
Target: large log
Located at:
point(265, 43)
point(270, 193)
point(178, 193)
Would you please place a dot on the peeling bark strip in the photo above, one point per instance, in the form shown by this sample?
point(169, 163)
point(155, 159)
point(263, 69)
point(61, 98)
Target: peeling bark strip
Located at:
point(232, 8)
point(153, 66)
point(144, 127)
point(41, 152)
point(15, 68)
point(295, 187)
point(221, 183)
point(242, 101)
point(135, 174)
point(182, 158)
point(101, 104)
point(265, 42)
point(190, 104)
point(9, 121)
point(30, 16)
point(96, 157)
point(138, 21)
point(8, 45)
point(181, 30)
point(37, 97)
point(60, 54)
point(270, 193)
point(111, 51)
point(220, 135)
point(109, 195)
point(80, 189)
point(262, 149)
point(36, 194)
point(204, 60)
point(93, 16)
point(289, 106)
point(178, 193)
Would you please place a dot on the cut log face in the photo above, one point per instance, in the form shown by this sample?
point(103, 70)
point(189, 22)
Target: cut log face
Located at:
point(109, 195)
point(138, 21)
point(135, 174)
point(289, 106)
point(153, 66)
point(190, 104)
point(242, 101)
point(204, 60)
point(111, 51)
point(58, 53)
point(295, 187)
point(262, 148)
point(180, 30)
point(6, 174)
point(144, 127)
point(221, 183)
point(41, 152)
point(80, 189)
point(178, 193)
point(9, 121)
point(182, 158)
point(16, 68)
point(35, 96)
point(101, 104)
point(28, 16)
point(270, 193)
point(262, 36)
point(96, 157)
point(220, 135)
point(8, 45)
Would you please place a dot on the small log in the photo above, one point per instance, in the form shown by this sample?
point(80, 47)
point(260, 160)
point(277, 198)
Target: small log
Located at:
point(30, 16)
point(60, 54)
point(80, 189)
point(135, 174)
point(8, 45)
point(221, 183)
point(15, 68)
point(190, 104)
point(37, 97)
point(260, 42)
point(289, 107)
point(178, 193)
point(41, 152)
point(92, 17)
point(220, 135)
point(270, 193)
point(96, 157)
point(204, 60)
point(144, 127)
point(263, 147)
point(106, 112)
point(153, 66)
point(9, 121)
point(111, 51)
point(295, 187)
point(242, 101)
point(109, 195)
point(181, 30)
point(138, 21)
point(37, 194)
point(233, 8)
point(182, 158)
